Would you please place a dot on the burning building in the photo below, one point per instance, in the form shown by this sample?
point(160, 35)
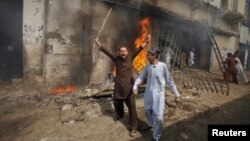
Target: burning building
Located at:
point(56, 41)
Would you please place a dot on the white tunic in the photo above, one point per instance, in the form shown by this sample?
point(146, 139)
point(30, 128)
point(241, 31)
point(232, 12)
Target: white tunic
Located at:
point(157, 76)
point(191, 58)
point(238, 64)
point(240, 70)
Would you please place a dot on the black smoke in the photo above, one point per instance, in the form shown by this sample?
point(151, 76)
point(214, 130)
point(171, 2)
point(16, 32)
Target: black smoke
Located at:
point(10, 39)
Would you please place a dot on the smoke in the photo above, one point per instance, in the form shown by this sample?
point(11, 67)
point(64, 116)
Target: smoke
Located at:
point(10, 39)
point(124, 21)
point(10, 23)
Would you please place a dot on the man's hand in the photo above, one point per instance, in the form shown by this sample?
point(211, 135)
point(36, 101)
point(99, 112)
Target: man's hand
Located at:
point(98, 43)
point(148, 38)
point(177, 99)
point(146, 41)
point(135, 91)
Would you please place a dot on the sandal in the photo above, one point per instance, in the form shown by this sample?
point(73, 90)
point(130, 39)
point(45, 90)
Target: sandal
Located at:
point(146, 128)
point(132, 133)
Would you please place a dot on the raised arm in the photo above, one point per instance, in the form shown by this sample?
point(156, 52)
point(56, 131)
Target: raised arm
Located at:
point(141, 47)
point(137, 51)
point(104, 50)
point(108, 53)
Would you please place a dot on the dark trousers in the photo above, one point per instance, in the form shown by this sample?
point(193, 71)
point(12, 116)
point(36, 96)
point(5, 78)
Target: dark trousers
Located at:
point(235, 79)
point(119, 109)
point(227, 77)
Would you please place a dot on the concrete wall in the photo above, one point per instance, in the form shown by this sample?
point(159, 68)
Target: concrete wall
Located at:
point(244, 34)
point(230, 5)
point(215, 3)
point(226, 44)
point(64, 56)
point(244, 46)
point(33, 42)
point(237, 5)
point(56, 40)
point(176, 6)
point(241, 6)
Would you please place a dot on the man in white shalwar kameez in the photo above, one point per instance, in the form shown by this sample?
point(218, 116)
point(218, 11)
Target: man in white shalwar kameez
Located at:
point(191, 58)
point(239, 68)
point(157, 75)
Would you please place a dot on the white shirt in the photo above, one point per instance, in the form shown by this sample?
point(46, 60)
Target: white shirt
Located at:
point(157, 76)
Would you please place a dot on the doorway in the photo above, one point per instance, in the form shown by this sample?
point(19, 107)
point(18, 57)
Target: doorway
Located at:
point(11, 48)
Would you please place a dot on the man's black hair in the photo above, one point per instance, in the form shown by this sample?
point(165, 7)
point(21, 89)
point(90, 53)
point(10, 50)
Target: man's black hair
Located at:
point(154, 51)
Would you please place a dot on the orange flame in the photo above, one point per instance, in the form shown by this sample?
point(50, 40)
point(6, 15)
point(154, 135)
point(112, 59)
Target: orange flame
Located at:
point(114, 71)
point(58, 90)
point(140, 60)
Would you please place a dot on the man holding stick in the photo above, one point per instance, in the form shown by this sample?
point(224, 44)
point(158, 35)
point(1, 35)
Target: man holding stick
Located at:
point(124, 82)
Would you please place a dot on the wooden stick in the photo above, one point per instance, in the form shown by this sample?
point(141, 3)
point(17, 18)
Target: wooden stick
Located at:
point(96, 56)
point(104, 23)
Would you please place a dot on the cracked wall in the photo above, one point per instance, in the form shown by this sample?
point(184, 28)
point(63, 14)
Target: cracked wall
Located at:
point(33, 42)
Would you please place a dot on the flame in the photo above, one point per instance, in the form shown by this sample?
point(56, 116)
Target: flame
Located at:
point(65, 89)
point(140, 60)
point(114, 71)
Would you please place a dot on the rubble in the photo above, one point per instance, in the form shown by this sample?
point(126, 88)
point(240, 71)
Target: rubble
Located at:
point(53, 112)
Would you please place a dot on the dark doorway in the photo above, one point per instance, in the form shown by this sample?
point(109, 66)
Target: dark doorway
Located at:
point(11, 52)
point(189, 35)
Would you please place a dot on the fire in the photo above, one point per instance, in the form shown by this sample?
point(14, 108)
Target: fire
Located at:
point(140, 60)
point(114, 71)
point(65, 89)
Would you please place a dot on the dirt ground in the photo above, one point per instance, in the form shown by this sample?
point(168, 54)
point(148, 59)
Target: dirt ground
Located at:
point(37, 116)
